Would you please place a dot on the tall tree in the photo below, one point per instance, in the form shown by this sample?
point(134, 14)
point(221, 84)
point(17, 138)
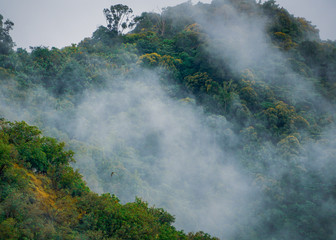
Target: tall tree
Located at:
point(119, 18)
point(6, 42)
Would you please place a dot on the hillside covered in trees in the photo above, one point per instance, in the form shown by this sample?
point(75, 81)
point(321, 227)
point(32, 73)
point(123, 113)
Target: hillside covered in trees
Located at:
point(222, 114)
point(42, 197)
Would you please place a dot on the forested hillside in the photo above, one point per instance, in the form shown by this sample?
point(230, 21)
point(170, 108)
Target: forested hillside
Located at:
point(42, 197)
point(222, 114)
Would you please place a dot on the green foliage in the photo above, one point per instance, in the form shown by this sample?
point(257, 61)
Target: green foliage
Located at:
point(32, 154)
point(42, 196)
point(47, 63)
point(149, 21)
point(8, 229)
point(200, 236)
point(20, 133)
point(200, 82)
point(39, 153)
point(156, 60)
point(57, 204)
point(287, 30)
point(55, 152)
point(5, 151)
point(6, 42)
point(71, 79)
point(289, 146)
point(103, 35)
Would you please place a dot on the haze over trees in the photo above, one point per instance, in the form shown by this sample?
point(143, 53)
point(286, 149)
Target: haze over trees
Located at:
point(222, 114)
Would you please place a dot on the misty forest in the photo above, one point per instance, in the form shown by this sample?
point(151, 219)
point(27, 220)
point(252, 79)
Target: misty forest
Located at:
point(203, 121)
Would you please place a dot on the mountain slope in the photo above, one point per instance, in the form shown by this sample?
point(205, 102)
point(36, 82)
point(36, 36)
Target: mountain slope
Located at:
point(222, 113)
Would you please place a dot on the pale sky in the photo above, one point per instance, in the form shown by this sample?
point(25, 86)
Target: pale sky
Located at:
point(62, 22)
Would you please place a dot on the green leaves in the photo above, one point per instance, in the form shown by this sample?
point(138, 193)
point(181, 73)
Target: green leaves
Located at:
point(6, 42)
point(58, 204)
point(36, 151)
point(5, 159)
point(32, 154)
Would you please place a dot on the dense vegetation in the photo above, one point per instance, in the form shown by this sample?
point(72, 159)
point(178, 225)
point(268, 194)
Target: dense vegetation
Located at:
point(42, 197)
point(265, 84)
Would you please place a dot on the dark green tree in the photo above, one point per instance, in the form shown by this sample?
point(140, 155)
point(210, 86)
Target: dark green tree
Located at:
point(6, 42)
